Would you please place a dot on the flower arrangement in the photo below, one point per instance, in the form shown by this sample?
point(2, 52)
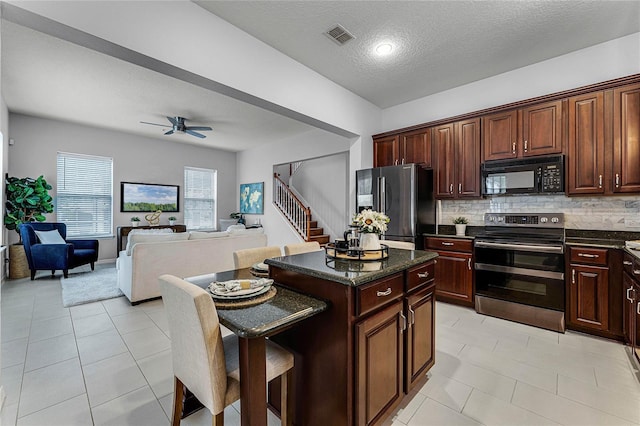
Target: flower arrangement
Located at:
point(371, 222)
point(460, 220)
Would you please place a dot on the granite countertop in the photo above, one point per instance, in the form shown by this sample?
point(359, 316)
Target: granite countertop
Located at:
point(351, 272)
point(604, 239)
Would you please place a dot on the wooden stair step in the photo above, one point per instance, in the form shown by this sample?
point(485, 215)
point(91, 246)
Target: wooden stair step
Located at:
point(321, 239)
point(316, 231)
point(313, 224)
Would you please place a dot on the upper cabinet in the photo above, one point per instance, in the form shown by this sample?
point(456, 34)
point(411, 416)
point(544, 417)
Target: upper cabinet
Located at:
point(626, 139)
point(405, 148)
point(531, 131)
point(604, 142)
point(457, 159)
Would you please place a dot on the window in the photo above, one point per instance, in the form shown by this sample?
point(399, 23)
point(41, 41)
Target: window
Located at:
point(84, 200)
point(200, 187)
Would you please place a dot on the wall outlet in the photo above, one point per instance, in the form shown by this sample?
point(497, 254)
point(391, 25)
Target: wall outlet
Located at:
point(632, 223)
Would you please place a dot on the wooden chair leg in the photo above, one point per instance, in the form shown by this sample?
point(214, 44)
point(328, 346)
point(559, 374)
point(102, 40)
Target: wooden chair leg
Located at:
point(286, 398)
point(218, 419)
point(178, 393)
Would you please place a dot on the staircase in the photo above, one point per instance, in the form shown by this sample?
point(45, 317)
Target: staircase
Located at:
point(298, 215)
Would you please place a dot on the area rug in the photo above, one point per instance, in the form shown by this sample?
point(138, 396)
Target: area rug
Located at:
point(89, 286)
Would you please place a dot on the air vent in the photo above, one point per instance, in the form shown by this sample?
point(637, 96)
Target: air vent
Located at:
point(339, 34)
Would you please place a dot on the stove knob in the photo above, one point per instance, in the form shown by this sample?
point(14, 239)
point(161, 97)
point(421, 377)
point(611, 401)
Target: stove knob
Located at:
point(555, 220)
point(492, 218)
point(543, 219)
point(500, 218)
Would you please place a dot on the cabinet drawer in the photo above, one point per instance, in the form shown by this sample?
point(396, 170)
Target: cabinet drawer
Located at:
point(450, 244)
point(371, 296)
point(420, 275)
point(589, 256)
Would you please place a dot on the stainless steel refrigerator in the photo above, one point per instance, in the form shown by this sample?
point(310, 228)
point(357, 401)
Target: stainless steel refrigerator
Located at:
point(405, 194)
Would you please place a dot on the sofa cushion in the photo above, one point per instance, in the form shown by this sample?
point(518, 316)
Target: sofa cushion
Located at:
point(154, 238)
point(199, 235)
point(243, 231)
point(50, 237)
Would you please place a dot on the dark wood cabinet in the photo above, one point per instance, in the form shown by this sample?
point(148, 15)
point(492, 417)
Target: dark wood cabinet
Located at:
point(594, 291)
point(420, 356)
point(631, 300)
point(457, 159)
point(626, 139)
point(527, 132)
point(404, 148)
point(586, 153)
point(379, 363)
point(454, 269)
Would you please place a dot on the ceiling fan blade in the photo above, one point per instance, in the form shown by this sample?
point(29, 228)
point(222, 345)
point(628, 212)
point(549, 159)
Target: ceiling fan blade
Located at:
point(154, 124)
point(196, 134)
point(170, 132)
point(199, 128)
point(173, 121)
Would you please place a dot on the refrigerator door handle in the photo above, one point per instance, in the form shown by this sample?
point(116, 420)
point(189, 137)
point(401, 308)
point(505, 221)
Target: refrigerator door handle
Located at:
point(382, 183)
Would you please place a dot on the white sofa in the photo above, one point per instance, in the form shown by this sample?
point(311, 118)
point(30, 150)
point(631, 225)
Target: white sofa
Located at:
point(148, 256)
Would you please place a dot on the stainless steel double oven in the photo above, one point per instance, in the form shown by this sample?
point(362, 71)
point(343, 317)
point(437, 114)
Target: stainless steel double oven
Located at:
point(519, 269)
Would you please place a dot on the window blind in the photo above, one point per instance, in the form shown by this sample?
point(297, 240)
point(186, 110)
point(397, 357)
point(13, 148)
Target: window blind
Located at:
point(84, 194)
point(200, 190)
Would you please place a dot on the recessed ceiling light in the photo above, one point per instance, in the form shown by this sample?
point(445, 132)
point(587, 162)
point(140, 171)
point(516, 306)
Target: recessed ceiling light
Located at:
point(384, 49)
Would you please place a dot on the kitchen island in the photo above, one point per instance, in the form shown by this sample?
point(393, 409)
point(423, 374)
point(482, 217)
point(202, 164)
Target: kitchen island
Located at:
point(355, 361)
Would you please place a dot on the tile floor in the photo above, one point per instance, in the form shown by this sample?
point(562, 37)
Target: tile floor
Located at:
point(110, 363)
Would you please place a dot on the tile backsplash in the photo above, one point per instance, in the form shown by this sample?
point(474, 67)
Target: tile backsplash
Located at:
point(618, 213)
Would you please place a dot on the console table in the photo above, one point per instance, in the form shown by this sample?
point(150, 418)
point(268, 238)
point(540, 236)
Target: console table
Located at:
point(123, 231)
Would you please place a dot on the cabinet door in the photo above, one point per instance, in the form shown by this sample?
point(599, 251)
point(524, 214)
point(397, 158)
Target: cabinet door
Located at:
point(626, 139)
point(636, 326)
point(420, 336)
point(443, 140)
point(589, 303)
point(379, 361)
point(629, 304)
point(385, 151)
point(586, 145)
point(467, 162)
point(454, 277)
point(542, 129)
point(415, 147)
point(500, 135)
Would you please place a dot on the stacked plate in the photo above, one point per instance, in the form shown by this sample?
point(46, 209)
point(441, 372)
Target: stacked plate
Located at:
point(239, 289)
point(633, 245)
point(260, 269)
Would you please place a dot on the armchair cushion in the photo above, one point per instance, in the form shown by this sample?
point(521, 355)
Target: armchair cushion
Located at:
point(50, 237)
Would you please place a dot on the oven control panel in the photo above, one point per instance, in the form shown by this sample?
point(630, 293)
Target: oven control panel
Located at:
point(540, 220)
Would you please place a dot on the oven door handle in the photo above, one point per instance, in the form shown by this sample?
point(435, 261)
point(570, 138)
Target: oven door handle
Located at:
point(520, 271)
point(521, 247)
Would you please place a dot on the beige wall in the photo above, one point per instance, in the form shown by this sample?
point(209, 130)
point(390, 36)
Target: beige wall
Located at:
point(135, 159)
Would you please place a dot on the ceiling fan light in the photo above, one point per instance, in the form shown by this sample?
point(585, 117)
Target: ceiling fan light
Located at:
point(384, 49)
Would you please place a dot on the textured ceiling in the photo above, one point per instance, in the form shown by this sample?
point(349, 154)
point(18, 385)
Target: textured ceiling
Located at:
point(440, 44)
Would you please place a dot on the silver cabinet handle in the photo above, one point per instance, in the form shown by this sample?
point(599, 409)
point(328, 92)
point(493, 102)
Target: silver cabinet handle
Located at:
point(423, 274)
point(638, 309)
point(444, 243)
point(525, 146)
point(469, 263)
point(600, 181)
point(629, 298)
point(412, 317)
point(403, 161)
point(627, 263)
point(590, 256)
point(617, 180)
point(396, 162)
point(451, 189)
point(513, 149)
point(573, 276)
point(403, 326)
point(636, 272)
point(384, 293)
point(459, 188)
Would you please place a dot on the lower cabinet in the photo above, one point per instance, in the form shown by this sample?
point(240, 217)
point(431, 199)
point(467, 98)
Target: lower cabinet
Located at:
point(631, 301)
point(594, 289)
point(454, 269)
point(420, 336)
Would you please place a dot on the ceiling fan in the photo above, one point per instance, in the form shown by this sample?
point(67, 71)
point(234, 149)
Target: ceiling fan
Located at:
point(178, 125)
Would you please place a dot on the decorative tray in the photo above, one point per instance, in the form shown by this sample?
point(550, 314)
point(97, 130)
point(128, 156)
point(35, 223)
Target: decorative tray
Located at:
point(334, 252)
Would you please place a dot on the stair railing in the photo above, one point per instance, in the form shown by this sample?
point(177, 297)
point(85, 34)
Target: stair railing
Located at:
point(292, 208)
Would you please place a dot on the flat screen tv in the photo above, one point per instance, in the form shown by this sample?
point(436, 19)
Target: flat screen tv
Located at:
point(149, 197)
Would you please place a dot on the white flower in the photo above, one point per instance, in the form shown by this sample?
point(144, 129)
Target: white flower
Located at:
point(371, 221)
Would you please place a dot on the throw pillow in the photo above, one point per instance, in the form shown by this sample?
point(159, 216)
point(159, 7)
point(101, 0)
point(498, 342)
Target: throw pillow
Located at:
point(238, 226)
point(154, 238)
point(199, 235)
point(50, 237)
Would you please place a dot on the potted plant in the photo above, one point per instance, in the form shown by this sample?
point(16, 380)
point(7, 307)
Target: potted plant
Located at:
point(461, 225)
point(28, 200)
point(172, 220)
point(135, 221)
point(239, 216)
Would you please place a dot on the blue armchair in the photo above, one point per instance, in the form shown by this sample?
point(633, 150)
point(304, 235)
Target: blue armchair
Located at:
point(56, 256)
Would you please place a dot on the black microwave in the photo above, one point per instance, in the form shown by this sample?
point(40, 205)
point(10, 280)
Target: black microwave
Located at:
point(535, 175)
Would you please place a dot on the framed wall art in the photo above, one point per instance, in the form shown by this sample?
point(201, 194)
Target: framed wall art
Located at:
point(252, 198)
